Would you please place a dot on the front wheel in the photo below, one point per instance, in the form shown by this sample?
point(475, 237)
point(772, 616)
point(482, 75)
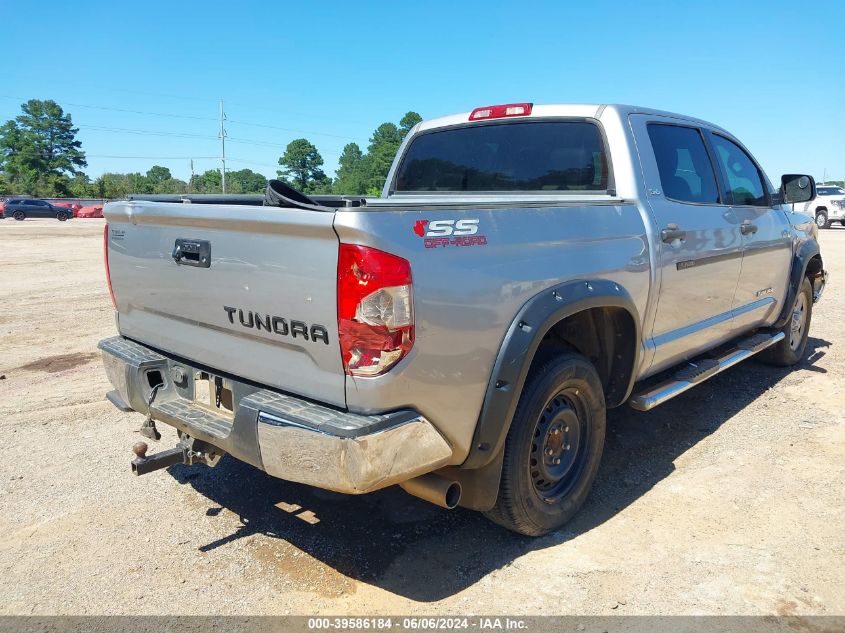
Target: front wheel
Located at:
point(61, 217)
point(19, 215)
point(821, 220)
point(553, 448)
point(796, 331)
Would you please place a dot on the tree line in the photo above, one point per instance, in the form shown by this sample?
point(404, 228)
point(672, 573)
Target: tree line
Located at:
point(41, 156)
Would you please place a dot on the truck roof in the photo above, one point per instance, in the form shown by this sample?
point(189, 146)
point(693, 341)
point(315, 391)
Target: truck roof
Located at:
point(594, 110)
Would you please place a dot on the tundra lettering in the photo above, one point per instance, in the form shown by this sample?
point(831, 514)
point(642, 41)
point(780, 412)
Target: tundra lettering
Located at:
point(278, 325)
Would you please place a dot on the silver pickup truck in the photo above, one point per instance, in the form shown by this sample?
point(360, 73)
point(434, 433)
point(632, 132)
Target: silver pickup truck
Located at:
point(526, 267)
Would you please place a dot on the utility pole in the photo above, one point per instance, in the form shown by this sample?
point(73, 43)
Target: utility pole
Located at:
point(191, 181)
point(222, 147)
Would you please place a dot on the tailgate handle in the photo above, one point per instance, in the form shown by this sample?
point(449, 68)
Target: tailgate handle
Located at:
point(192, 253)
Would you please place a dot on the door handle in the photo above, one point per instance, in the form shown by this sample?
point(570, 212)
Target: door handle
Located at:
point(672, 232)
point(747, 228)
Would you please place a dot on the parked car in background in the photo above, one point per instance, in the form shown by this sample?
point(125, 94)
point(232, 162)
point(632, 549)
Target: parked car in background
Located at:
point(828, 207)
point(93, 211)
point(22, 208)
point(2, 208)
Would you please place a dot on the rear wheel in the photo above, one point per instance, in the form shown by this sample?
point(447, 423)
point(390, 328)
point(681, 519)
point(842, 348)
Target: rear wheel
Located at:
point(553, 448)
point(19, 215)
point(821, 220)
point(796, 331)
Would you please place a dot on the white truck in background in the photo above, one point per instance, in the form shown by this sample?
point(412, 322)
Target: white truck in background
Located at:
point(828, 206)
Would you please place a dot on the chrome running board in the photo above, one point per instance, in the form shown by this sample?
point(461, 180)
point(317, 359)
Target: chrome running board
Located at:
point(698, 371)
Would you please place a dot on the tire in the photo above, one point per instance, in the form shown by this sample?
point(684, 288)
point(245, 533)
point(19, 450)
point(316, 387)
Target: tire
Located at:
point(797, 329)
point(545, 479)
point(821, 220)
point(19, 216)
point(61, 217)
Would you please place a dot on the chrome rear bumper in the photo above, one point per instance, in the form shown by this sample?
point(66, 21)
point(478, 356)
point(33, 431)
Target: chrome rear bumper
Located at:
point(350, 464)
point(287, 437)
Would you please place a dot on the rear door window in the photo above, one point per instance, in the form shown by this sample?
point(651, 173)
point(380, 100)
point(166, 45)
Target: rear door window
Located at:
point(686, 173)
point(501, 157)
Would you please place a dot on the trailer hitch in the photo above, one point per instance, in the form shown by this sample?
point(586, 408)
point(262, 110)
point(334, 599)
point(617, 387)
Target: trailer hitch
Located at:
point(188, 451)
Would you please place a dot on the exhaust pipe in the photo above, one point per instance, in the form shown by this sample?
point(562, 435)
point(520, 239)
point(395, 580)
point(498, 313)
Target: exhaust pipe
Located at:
point(435, 489)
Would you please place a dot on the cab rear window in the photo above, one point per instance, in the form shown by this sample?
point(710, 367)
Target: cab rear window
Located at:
point(512, 156)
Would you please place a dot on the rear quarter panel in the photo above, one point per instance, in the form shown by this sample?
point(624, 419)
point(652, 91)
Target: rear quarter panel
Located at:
point(465, 297)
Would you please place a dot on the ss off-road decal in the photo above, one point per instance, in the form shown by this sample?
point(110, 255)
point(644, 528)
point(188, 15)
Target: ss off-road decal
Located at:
point(445, 233)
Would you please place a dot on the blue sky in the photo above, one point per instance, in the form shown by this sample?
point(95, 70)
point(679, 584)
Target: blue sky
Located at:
point(773, 73)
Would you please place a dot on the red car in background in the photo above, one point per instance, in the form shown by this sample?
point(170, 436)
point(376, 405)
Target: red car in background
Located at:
point(75, 206)
point(93, 211)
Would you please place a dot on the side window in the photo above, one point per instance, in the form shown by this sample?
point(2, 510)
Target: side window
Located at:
point(743, 177)
point(686, 173)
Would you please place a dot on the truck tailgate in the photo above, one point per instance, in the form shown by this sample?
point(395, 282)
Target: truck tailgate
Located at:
point(264, 307)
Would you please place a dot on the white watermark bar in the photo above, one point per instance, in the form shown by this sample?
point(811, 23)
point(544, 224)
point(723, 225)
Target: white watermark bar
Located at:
point(394, 624)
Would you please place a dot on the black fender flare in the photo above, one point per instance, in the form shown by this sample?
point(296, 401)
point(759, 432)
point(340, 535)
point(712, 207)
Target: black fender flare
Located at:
point(806, 251)
point(532, 323)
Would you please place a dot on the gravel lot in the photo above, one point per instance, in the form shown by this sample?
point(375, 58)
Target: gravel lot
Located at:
point(727, 500)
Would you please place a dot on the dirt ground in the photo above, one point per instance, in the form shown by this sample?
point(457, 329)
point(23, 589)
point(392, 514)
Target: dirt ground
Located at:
point(727, 500)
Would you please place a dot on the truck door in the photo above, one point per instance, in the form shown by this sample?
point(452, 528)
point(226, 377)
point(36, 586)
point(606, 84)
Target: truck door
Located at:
point(698, 236)
point(766, 236)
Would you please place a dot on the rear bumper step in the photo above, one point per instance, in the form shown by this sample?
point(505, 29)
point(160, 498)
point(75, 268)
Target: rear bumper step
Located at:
point(287, 437)
point(697, 372)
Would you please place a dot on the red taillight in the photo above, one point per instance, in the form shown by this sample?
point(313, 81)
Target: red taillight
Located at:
point(501, 111)
point(375, 316)
point(106, 263)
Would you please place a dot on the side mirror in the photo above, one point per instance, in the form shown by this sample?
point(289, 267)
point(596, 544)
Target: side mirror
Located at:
point(797, 188)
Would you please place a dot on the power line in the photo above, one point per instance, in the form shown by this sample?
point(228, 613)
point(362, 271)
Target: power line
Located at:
point(205, 100)
point(297, 131)
point(124, 130)
point(252, 162)
point(231, 139)
point(198, 118)
point(96, 107)
point(121, 130)
point(191, 158)
point(153, 157)
point(247, 141)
